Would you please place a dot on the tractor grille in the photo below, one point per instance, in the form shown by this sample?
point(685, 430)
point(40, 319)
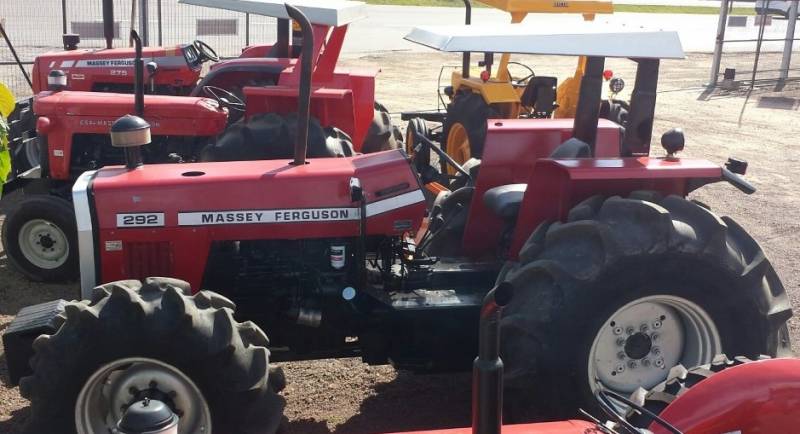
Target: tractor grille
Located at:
point(148, 259)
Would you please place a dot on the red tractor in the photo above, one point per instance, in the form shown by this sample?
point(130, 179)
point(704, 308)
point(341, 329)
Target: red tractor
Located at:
point(618, 277)
point(63, 131)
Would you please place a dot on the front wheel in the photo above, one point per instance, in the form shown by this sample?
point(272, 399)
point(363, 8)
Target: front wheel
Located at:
point(135, 341)
point(40, 238)
point(626, 289)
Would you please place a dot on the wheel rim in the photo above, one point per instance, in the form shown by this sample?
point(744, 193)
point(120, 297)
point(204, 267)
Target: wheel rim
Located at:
point(458, 146)
point(410, 139)
point(115, 386)
point(643, 340)
point(43, 244)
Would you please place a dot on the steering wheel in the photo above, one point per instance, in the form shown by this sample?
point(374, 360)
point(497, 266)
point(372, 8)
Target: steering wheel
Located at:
point(225, 98)
point(522, 81)
point(205, 50)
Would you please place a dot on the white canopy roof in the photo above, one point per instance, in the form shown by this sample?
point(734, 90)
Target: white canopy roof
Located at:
point(524, 39)
point(324, 12)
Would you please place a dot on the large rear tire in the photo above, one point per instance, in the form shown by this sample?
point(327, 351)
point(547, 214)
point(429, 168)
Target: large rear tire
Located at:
point(40, 238)
point(382, 135)
point(627, 288)
point(464, 131)
point(22, 138)
point(136, 340)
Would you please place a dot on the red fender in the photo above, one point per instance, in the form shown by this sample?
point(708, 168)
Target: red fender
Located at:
point(754, 398)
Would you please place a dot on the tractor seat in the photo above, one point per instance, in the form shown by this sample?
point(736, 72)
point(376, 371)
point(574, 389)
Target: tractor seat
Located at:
point(504, 201)
point(572, 148)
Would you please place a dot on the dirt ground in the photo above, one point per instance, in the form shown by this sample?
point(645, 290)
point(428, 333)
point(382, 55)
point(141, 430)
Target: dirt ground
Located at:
point(346, 396)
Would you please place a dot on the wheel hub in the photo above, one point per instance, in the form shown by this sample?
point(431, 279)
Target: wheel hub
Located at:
point(638, 345)
point(113, 388)
point(43, 244)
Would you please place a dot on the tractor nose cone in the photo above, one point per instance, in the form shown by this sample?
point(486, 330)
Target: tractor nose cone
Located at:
point(638, 345)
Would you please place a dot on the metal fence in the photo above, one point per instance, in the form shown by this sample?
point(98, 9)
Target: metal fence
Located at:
point(36, 26)
point(772, 29)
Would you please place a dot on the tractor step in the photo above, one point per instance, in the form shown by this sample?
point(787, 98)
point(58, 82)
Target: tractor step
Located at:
point(29, 324)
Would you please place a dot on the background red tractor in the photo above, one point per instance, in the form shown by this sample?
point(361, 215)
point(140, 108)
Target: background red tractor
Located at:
point(618, 277)
point(63, 131)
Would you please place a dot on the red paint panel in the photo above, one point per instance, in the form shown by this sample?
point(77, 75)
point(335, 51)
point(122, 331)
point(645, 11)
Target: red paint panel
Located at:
point(242, 186)
point(83, 78)
point(73, 113)
point(556, 186)
point(565, 427)
point(755, 398)
point(512, 149)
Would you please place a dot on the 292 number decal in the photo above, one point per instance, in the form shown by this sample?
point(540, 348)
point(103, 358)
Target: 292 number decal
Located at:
point(140, 220)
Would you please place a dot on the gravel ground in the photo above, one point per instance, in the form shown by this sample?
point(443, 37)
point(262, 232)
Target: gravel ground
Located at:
point(346, 396)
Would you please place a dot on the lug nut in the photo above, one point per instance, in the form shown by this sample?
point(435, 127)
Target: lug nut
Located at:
point(646, 363)
point(644, 328)
point(621, 355)
point(630, 330)
point(660, 363)
point(618, 330)
point(633, 364)
point(657, 324)
point(654, 337)
point(620, 342)
point(656, 351)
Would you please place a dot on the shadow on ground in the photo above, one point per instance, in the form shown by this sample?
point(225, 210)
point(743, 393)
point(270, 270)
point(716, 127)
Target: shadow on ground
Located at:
point(408, 403)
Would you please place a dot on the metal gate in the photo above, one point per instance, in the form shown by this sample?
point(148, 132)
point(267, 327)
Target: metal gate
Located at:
point(36, 26)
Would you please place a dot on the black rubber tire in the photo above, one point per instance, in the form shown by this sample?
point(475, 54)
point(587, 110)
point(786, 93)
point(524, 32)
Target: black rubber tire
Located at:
point(679, 381)
point(470, 110)
point(382, 135)
point(422, 161)
point(22, 126)
point(227, 360)
point(267, 136)
point(572, 276)
point(616, 111)
point(55, 210)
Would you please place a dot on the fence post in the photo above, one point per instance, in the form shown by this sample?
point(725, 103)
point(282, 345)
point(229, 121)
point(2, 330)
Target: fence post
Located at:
point(64, 16)
point(246, 30)
point(723, 22)
point(786, 63)
point(144, 24)
point(160, 25)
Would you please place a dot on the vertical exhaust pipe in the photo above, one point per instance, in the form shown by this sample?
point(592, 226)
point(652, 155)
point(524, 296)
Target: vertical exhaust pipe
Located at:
point(465, 62)
point(487, 369)
point(304, 100)
point(138, 87)
point(108, 23)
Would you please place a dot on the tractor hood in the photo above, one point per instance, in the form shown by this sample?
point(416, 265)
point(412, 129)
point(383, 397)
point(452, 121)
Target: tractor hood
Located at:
point(189, 206)
point(92, 70)
point(117, 104)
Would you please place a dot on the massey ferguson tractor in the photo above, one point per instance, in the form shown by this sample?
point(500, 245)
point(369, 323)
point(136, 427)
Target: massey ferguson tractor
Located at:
point(64, 130)
point(617, 276)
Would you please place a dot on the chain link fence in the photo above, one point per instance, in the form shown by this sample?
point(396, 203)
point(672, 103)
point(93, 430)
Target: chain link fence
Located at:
point(36, 26)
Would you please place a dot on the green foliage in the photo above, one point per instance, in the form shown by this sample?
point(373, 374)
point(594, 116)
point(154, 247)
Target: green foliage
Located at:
point(5, 155)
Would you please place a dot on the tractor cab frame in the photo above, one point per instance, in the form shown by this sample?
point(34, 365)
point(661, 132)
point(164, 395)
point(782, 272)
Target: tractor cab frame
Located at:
point(588, 126)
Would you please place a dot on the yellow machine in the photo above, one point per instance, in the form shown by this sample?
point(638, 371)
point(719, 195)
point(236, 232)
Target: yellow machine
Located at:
point(496, 94)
